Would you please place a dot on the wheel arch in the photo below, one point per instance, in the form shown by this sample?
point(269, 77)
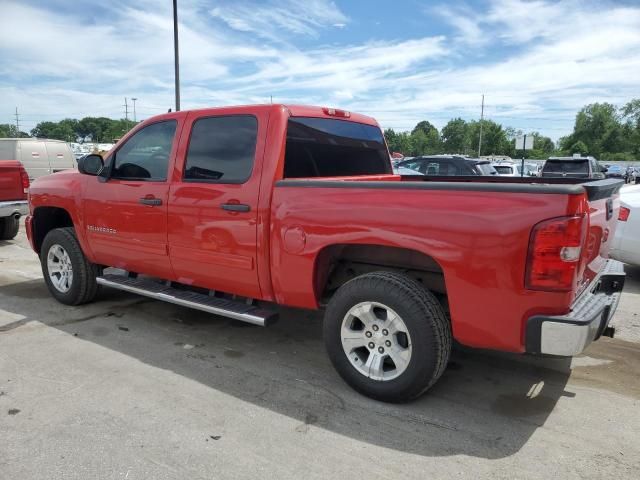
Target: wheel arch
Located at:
point(46, 219)
point(338, 263)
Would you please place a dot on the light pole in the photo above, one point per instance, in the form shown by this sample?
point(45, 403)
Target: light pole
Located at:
point(134, 109)
point(175, 53)
point(481, 122)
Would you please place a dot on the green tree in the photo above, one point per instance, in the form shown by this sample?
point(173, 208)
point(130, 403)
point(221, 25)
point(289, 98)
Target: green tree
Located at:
point(543, 144)
point(494, 138)
point(63, 130)
point(598, 127)
point(579, 147)
point(8, 130)
point(631, 129)
point(425, 139)
point(425, 127)
point(398, 142)
point(454, 136)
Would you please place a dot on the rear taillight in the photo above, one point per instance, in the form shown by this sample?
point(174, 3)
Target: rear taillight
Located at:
point(555, 249)
point(25, 179)
point(624, 214)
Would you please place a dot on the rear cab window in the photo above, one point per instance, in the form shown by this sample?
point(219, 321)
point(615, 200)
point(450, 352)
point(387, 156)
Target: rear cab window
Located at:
point(221, 149)
point(566, 166)
point(321, 147)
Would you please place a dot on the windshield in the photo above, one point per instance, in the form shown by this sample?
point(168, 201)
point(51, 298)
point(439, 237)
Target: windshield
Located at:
point(566, 166)
point(322, 147)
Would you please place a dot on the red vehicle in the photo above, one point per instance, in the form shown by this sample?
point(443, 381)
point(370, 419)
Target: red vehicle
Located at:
point(232, 210)
point(14, 185)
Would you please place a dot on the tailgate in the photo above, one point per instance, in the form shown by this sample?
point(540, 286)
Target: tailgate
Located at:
point(604, 206)
point(11, 181)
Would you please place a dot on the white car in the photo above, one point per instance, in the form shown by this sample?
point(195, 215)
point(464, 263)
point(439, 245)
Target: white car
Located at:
point(626, 243)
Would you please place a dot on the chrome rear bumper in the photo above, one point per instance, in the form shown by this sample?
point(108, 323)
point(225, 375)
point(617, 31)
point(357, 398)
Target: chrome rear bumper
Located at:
point(570, 334)
point(16, 207)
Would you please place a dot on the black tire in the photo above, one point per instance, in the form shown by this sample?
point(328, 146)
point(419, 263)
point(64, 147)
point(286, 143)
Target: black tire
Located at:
point(9, 228)
point(83, 288)
point(426, 323)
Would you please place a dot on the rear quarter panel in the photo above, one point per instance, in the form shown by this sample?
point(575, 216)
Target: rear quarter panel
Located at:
point(480, 240)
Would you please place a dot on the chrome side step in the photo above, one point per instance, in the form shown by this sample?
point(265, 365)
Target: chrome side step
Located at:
point(218, 306)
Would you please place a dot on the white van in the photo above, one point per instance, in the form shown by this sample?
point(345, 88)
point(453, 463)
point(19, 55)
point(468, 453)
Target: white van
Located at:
point(39, 156)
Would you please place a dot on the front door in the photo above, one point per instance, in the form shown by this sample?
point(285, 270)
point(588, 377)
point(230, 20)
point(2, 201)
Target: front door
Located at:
point(214, 201)
point(126, 216)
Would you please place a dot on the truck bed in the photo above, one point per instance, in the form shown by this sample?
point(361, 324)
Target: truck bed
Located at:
point(475, 229)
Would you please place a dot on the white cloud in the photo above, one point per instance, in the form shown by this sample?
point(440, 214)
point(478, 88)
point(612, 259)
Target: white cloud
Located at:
point(52, 65)
point(464, 20)
point(271, 19)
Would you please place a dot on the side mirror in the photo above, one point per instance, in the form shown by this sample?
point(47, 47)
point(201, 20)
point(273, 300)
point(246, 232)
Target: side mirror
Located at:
point(604, 169)
point(90, 164)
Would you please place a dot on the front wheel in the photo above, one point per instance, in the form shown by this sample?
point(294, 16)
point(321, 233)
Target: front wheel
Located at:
point(387, 336)
point(70, 277)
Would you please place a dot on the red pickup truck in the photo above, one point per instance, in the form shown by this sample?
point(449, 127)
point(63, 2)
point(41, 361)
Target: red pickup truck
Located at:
point(14, 185)
point(232, 210)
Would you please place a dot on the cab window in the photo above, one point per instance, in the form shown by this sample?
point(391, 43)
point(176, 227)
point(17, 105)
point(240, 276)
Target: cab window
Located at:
point(222, 149)
point(145, 156)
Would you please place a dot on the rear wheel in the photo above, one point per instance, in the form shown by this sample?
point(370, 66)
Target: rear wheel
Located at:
point(387, 336)
point(70, 277)
point(9, 228)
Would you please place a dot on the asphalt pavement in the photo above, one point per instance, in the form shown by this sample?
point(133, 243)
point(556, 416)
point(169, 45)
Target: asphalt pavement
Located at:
point(127, 387)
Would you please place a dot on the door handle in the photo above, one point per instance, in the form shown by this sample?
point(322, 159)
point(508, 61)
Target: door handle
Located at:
point(150, 201)
point(235, 207)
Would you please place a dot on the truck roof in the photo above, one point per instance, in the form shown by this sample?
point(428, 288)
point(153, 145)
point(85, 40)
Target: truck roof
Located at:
point(294, 111)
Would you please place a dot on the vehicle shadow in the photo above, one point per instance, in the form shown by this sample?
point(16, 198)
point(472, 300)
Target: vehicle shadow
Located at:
point(486, 404)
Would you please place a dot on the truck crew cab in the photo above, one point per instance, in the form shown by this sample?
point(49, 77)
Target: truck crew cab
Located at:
point(232, 210)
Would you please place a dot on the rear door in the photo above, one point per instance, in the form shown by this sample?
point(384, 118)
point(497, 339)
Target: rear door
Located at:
point(126, 216)
point(60, 156)
point(33, 155)
point(213, 202)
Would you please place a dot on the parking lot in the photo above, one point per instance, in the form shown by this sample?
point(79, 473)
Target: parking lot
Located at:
point(128, 387)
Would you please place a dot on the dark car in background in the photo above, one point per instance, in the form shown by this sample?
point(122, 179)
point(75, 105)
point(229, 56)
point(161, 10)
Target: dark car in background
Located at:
point(615, 171)
point(573, 167)
point(445, 165)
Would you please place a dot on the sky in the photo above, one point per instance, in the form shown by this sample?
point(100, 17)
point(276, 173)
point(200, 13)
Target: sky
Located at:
point(537, 62)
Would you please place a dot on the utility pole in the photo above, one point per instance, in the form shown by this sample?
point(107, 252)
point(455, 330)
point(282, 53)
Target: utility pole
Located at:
point(126, 112)
point(481, 122)
point(17, 123)
point(134, 109)
point(175, 53)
